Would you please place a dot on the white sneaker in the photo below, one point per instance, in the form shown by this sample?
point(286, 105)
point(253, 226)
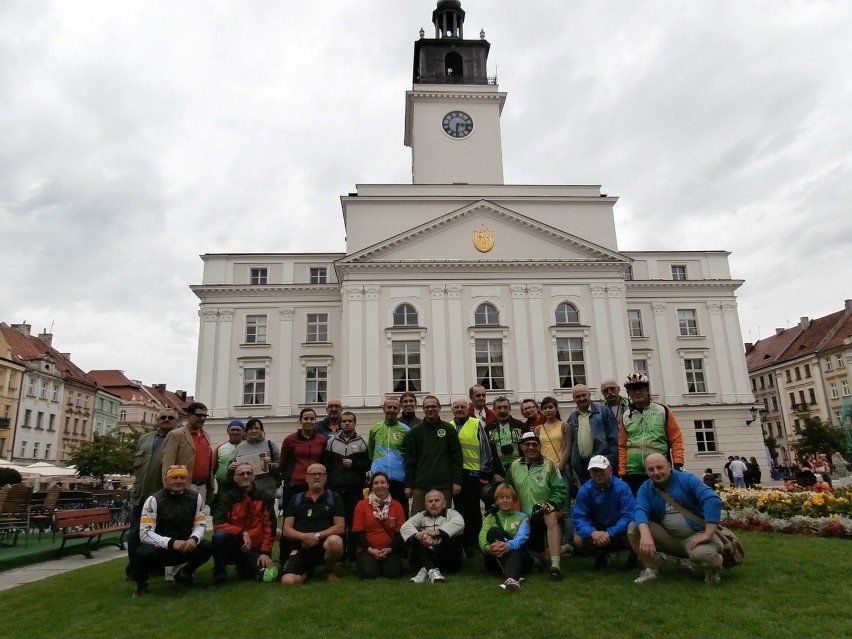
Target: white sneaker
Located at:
point(685, 565)
point(435, 576)
point(713, 576)
point(421, 577)
point(511, 585)
point(649, 574)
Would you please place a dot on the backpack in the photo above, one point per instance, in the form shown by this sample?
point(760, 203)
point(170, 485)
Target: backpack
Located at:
point(329, 499)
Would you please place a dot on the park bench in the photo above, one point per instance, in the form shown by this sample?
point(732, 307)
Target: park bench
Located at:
point(89, 524)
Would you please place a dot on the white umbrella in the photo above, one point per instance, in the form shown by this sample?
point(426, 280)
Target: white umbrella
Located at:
point(49, 470)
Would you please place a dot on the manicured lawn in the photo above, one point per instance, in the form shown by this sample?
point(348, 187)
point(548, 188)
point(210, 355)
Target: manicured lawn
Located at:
point(790, 586)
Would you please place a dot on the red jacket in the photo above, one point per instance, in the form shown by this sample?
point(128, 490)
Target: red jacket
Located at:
point(490, 416)
point(297, 453)
point(236, 513)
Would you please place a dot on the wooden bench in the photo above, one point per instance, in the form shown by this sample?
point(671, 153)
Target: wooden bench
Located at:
point(89, 524)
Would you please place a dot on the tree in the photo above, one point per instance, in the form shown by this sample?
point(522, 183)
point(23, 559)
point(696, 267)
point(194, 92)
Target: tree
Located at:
point(817, 436)
point(772, 446)
point(9, 476)
point(110, 454)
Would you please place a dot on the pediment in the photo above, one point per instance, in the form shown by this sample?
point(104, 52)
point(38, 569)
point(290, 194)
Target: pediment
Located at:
point(515, 238)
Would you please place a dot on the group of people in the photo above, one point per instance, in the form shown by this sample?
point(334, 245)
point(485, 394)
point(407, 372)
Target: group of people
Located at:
point(742, 472)
point(521, 470)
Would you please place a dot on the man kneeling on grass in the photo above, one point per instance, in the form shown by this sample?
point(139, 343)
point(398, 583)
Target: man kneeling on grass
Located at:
point(311, 535)
point(659, 522)
point(171, 531)
point(602, 512)
point(435, 538)
point(244, 529)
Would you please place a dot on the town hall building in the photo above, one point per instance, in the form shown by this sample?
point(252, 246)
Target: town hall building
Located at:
point(459, 278)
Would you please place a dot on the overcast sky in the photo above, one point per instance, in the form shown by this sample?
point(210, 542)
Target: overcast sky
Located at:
point(135, 136)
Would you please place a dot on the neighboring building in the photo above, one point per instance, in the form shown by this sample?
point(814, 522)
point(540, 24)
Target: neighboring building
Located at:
point(55, 408)
point(107, 411)
point(459, 278)
point(139, 404)
point(803, 371)
point(11, 375)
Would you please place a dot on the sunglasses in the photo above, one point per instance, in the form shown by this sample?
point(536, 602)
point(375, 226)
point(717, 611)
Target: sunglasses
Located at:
point(167, 418)
point(200, 415)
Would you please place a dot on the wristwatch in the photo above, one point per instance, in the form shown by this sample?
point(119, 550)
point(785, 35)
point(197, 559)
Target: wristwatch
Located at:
point(317, 535)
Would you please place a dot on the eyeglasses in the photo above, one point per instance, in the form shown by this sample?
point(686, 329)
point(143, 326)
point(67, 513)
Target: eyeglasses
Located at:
point(315, 474)
point(246, 473)
point(200, 415)
point(167, 418)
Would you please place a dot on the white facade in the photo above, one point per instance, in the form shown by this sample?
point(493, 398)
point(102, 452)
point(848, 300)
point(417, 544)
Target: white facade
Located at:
point(448, 282)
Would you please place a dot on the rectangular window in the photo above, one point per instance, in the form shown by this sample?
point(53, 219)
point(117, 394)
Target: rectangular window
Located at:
point(841, 363)
point(634, 322)
point(28, 415)
point(679, 272)
point(753, 384)
point(705, 436)
point(812, 395)
point(828, 365)
point(571, 361)
point(695, 375)
point(405, 366)
point(762, 382)
point(798, 373)
point(255, 329)
point(845, 388)
point(319, 275)
point(771, 377)
point(792, 400)
point(24, 443)
point(801, 397)
point(774, 403)
point(259, 276)
point(254, 386)
point(317, 327)
point(36, 447)
point(76, 426)
point(51, 422)
point(47, 450)
point(54, 396)
point(788, 376)
point(42, 393)
point(31, 387)
point(316, 384)
point(40, 420)
point(628, 273)
point(807, 371)
point(687, 322)
point(779, 428)
point(640, 365)
point(489, 363)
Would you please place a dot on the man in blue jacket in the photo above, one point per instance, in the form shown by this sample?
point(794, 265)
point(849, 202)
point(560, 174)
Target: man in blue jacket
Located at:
point(602, 512)
point(658, 523)
point(594, 431)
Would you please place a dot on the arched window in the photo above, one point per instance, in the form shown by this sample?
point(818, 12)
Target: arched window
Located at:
point(486, 315)
point(567, 314)
point(454, 67)
point(405, 315)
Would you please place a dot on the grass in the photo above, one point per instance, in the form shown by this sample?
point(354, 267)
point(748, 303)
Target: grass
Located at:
point(790, 586)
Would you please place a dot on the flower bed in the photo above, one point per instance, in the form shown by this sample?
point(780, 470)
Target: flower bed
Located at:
point(814, 511)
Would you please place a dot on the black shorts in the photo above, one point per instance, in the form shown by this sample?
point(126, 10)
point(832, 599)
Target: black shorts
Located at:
point(304, 560)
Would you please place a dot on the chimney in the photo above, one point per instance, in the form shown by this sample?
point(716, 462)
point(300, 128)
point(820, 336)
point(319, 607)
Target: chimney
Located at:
point(848, 305)
point(778, 331)
point(748, 347)
point(160, 387)
point(181, 394)
point(804, 322)
point(23, 329)
point(66, 356)
point(47, 338)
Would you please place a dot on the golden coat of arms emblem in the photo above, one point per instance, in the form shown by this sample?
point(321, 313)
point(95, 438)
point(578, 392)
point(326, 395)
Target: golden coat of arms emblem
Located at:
point(483, 239)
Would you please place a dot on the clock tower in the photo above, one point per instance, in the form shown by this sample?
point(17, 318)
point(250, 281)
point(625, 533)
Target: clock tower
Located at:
point(452, 113)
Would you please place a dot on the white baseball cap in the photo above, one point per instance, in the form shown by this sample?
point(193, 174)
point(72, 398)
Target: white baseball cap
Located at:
point(598, 461)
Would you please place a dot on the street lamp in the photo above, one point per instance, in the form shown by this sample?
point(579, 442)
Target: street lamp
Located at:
point(753, 411)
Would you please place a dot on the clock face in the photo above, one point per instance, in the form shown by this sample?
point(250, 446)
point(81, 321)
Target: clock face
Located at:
point(457, 124)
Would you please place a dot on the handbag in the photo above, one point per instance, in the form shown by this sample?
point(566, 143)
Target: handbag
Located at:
point(732, 550)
